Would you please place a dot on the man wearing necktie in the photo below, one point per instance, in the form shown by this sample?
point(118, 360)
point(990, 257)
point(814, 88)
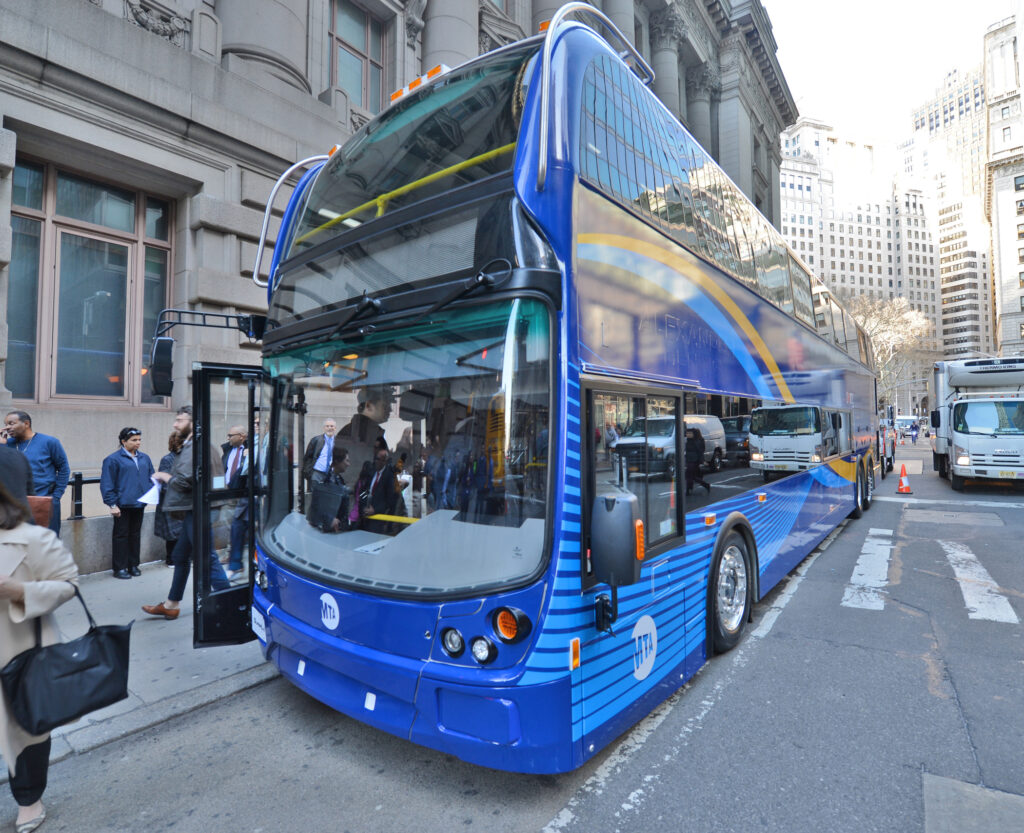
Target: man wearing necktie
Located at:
point(316, 462)
point(236, 468)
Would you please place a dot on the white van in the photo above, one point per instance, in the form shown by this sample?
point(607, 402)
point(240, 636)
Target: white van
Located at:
point(659, 434)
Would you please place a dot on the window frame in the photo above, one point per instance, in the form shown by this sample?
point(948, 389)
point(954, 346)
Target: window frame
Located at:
point(53, 227)
point(362, 52)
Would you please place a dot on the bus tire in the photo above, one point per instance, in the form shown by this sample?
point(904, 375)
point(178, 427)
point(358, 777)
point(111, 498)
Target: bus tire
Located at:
point(729, 592)
point(957, 482)
point(858, 494)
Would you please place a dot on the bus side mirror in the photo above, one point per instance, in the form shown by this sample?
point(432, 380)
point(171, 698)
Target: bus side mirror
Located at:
point(936, 419)
point(161, 366)
point(616, 549)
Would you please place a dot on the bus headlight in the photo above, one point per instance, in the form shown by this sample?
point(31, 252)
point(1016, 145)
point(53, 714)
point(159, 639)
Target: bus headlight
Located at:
point(453, 643)
point(483, 650)
point(961, 456)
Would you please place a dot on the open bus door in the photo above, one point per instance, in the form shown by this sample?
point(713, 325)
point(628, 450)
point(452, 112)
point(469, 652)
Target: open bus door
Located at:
point(224, 506)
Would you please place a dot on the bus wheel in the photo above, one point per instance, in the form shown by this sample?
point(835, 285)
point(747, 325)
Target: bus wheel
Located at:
point(858, 494)
point(957, 481)
point(730, 592)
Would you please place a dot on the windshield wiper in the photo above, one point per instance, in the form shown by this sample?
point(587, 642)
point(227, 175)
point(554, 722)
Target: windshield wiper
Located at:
point(366, 303)
point(481, 278)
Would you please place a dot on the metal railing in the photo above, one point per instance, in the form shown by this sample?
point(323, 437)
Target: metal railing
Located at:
point(76, 483)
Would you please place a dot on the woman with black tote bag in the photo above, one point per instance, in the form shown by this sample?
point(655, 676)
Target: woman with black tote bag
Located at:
point(35, 574)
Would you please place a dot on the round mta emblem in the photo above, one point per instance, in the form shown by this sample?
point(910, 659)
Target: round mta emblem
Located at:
point(329, 613)
point(645, 647)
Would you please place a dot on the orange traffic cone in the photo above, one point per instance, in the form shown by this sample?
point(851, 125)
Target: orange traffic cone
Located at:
point(904, 487)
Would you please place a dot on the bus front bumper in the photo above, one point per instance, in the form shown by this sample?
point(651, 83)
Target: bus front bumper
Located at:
point(515, 728)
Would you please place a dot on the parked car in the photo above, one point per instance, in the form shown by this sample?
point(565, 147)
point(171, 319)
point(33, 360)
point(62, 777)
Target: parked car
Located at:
point(737, 439)
point(657, 434)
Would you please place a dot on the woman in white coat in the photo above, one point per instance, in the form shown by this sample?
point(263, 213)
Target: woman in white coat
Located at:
point(35, 574)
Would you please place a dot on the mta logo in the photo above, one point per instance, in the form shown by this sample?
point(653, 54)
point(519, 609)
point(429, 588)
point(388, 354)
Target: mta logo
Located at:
point(645, 647)
point(329, 613)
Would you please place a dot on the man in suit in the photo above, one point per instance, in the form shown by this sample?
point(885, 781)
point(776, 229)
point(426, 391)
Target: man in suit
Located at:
point(382, 491)
point(316, 462)
point(236, 468)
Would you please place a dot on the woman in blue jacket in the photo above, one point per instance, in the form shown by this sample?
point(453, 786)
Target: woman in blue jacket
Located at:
point(125, 478)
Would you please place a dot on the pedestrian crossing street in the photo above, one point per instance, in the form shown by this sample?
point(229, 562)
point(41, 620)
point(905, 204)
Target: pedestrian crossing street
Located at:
point(983, 597)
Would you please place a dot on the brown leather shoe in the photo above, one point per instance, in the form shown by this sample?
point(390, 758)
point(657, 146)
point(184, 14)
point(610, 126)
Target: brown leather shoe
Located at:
point(160, 610)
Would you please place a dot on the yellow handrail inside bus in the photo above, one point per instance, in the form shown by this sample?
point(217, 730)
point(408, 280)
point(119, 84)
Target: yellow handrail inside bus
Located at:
point(398, 519)
point(382, 201)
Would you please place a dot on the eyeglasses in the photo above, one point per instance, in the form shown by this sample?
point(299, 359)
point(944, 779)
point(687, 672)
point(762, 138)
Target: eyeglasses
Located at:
point(132, 432)
point(236, 435)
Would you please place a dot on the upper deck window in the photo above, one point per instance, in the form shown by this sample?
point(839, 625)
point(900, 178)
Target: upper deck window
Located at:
point(459, 129)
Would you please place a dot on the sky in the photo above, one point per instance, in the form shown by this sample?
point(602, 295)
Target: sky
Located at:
point(863, 66)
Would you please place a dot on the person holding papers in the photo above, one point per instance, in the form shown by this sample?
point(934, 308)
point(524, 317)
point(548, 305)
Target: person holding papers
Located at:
point(124, 479)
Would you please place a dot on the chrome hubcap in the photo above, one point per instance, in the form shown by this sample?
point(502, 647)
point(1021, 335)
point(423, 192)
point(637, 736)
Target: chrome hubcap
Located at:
point(732, 589)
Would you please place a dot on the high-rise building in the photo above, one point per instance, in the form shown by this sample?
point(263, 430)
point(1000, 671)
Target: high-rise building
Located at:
point(1004, 181)
point(868, 232)
point(946, 154)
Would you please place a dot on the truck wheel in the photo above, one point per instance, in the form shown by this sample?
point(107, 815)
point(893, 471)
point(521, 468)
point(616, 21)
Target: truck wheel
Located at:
point(892, 459)
point(943, 468)
point(882, 468)
point(958, 482)
point(869, 486)
point(766, 475)
point(729, 591)
point(716, 461)
point(670, 468)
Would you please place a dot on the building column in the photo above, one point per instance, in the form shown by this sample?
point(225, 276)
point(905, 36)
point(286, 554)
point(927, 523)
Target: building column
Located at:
point(620, 12)
point(450, 32)
point(8, 146)
point(701, 82)
point(268, 36)
point(668, 29)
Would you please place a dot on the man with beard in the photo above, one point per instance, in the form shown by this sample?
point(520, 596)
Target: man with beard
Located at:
point(178, 503)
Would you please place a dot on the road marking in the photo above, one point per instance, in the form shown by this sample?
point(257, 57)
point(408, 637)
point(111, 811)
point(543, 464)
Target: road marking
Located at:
point(959, 501)
point(981, 593)
point(870, 573)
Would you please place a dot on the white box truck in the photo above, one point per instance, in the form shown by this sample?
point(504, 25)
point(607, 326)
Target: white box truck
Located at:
point(979, 421)
point(790, 438)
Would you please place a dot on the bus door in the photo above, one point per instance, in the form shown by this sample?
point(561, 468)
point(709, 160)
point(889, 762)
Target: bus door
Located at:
point(633, 450)
point(228, 464)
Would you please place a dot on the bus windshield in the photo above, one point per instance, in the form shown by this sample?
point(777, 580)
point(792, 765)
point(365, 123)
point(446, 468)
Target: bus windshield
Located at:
point(989, 418)
point(443, 430)
point(766, 422)
point(459, 129)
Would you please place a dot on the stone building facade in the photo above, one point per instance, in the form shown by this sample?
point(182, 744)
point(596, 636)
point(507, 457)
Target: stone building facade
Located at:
point(140, 139)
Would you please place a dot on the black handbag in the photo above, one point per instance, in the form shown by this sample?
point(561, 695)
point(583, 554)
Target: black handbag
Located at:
point(50, 685)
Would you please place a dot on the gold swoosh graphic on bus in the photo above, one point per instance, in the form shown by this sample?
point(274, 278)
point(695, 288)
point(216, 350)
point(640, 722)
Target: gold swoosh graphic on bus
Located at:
point(847, 469)
point(382, 201)
point(680, 265)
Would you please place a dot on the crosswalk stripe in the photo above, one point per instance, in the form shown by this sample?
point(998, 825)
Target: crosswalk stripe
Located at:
point(981, 594)
point(871, 573)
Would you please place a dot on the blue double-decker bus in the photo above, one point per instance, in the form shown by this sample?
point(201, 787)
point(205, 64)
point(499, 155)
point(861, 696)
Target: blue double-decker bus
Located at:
point(521, 260)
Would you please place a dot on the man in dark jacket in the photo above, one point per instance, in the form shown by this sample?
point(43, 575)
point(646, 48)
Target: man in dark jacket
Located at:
point(316, 462)
point(124, 478)
point(694, 459)
point(178, 502)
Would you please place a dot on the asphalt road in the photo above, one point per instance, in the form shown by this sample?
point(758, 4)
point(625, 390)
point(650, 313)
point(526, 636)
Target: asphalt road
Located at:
point(879, 689)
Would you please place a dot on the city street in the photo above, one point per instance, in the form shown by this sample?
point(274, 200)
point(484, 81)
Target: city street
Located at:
point(879, 689)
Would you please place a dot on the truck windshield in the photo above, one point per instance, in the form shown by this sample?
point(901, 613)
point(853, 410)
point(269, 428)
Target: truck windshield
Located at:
point(989, 418)
point(435, 479)
point(785, 421)
point(459, 129)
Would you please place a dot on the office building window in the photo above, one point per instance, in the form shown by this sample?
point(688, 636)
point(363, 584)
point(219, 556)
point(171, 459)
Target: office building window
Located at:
point(357, 54)
point(1018, 183)
point(89, 274)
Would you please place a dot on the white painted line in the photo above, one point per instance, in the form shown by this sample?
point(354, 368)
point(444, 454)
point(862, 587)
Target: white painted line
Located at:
point(870, 573)
point(989, 504)
point(981, 593)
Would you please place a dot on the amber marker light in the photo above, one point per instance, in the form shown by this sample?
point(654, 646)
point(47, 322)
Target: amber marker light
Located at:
point(574, 654)
point(761, 497)
point(709, 520)
point(543, 25)
point(350, 356)
point(638, 531)
point(510, 624)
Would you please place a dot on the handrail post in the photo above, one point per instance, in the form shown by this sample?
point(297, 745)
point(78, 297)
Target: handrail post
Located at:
point(76, 497)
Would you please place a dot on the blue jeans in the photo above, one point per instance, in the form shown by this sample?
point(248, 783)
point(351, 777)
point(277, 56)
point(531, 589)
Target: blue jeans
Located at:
point(182, 560)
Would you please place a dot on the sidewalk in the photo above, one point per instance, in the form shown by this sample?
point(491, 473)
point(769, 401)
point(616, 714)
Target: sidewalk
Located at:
point(167, 676)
